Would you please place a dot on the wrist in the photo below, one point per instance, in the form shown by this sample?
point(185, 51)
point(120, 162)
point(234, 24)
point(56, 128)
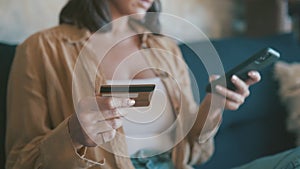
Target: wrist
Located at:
point(79, 137)
point(208, 120)
point(72, 125)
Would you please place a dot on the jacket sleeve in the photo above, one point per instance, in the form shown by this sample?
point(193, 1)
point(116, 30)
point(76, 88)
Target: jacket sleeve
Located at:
point(196, 152)
point(31, 140)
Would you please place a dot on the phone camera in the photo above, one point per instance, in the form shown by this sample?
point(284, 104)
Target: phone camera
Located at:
point(262, 58)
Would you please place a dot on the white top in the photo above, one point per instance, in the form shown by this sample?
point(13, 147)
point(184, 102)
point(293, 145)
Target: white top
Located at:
point(148, 127)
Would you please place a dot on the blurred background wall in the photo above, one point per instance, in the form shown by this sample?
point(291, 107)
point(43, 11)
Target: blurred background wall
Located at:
point(213, 17)
point(21, 18)
point(217, 19)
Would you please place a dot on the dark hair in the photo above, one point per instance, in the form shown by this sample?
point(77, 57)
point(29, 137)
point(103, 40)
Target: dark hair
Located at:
point(94, 14)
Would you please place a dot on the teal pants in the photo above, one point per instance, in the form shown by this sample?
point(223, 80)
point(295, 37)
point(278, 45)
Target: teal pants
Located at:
point(286, 160)
point(161, 161)
point(289, 159)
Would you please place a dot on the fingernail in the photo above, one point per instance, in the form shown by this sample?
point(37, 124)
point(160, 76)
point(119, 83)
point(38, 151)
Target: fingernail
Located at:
point(251, 73)
point(234, 77)
point(131, 102)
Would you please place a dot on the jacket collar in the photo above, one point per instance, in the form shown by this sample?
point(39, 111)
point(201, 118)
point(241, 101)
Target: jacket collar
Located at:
point(73, 34)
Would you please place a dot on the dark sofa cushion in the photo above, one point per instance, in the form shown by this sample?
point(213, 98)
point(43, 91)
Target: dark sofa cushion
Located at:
point(6, 57)
point(258, 127)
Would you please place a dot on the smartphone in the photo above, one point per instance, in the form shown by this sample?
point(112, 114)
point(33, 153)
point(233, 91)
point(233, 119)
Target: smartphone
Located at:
point(258, 61)
point(141, 93)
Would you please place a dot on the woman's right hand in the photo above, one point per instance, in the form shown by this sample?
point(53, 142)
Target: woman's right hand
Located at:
point(97, 119)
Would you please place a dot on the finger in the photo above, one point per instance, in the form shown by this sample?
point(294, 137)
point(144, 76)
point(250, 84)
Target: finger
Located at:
point(109, 103)
point(113, 124)
point(241, 86)
point(111, 114)
point(109, 135)
point(254, 77)
point(92, 117)
point(230, 95)
point(213, 77)
point(230, 105)
point(99, 127)
point(88, 103)
point(101, 115)
point(104, 126)
point(102, 138)
point(88, 117)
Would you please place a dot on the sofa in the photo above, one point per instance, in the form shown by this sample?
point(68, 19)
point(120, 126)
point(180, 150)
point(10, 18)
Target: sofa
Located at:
point(257, 128)
point(6, 57)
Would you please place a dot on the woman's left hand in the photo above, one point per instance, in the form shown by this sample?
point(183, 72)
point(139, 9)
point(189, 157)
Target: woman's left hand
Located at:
point(234, 99)
point(211, 112)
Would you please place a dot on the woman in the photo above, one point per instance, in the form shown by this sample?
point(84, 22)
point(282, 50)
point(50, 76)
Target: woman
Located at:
point(51, 129)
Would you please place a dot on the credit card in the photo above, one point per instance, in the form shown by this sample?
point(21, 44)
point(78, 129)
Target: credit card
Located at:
point(141, 93)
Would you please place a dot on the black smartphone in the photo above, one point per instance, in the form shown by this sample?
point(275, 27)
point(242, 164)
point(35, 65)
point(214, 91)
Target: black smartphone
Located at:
point(258, 61)
point(141, 93)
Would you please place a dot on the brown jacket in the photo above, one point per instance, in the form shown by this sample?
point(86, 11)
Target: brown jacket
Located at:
point(40, 102)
